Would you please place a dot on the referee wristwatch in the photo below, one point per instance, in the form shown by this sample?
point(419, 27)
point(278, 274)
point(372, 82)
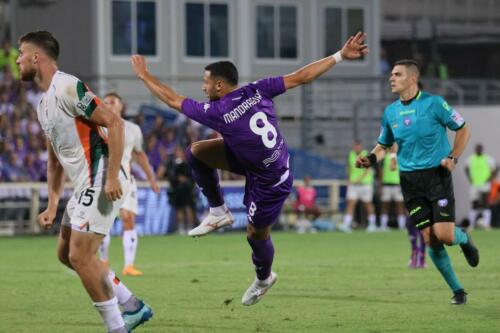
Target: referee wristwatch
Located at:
point(454, 159)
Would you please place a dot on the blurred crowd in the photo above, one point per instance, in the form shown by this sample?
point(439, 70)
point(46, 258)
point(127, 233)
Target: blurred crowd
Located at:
point(23, 154)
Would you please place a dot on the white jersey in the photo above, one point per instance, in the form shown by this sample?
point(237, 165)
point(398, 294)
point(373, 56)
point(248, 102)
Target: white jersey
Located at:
point(133, 142)
point(80, 146)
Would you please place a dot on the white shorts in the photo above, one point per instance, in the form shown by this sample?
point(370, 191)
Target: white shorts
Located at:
point(390, 193)
point(360, 192)
point(478, 192)
point(90, 211)
point(130, 202)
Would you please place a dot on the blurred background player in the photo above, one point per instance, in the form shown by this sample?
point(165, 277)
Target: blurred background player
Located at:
point(132, 149)
point(181, 194)
point(360, 188)
point(391, 192)
point(85, 142)
point(417, 122)
point(251, 145)
point(305, 206)
point(481, 169)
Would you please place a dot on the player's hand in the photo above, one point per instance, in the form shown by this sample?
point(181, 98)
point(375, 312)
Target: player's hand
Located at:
point(154, 186)
point(46, 219)
point(448, 163)
point(362, 162)
point(139, 65)
point(354, 47)
point(113, 189)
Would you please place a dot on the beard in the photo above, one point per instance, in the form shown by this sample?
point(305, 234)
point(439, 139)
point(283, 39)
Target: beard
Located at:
point(28, 75)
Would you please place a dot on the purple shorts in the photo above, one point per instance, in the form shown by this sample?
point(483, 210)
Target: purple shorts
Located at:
point(263, 201)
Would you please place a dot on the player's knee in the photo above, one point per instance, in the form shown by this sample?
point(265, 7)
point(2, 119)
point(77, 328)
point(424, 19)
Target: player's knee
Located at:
point(63, 258)
point(76, 259)
point(445, 238)
point(128, 220)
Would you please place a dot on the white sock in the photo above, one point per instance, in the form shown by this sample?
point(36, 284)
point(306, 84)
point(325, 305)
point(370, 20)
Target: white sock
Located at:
point(384, 220)
point(121, 292)
point(487, 217)
point(347, 220)
point(219, 210)
point(130, 240)
point(104, 248)
point(401, 221)
point(110, 313)
point(372, 221)
point(472, 218)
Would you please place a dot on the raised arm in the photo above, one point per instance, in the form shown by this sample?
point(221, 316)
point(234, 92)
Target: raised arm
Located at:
point(352, 49)
point(55, 182)
point(106, 118)
point(162, 91)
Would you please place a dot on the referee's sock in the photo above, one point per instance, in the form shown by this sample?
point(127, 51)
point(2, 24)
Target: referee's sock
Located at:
point(440, 258)
point(460, 237)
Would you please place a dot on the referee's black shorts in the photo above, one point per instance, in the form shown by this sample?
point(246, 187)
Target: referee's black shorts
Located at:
point(428, 196)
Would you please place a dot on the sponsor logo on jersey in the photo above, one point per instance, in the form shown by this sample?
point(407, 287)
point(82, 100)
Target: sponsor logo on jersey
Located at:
point(407, 122)
point(84, 103)
point(457, 118)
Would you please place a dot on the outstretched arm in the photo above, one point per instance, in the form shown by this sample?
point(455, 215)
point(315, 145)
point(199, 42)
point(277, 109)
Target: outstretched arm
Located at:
point(352, 49)
point(162, 91)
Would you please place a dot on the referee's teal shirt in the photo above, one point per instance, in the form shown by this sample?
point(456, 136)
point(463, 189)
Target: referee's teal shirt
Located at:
point(419, 129)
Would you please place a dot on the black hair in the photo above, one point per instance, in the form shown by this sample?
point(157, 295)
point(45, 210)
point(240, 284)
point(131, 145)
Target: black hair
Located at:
point(44, 40)
point(409, 63)
point(225, 70)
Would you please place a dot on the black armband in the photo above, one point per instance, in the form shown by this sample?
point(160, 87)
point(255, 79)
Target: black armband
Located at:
point(454, 159)
point(372, 158)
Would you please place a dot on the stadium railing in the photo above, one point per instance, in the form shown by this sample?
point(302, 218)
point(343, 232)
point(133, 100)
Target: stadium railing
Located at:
point(20, 204)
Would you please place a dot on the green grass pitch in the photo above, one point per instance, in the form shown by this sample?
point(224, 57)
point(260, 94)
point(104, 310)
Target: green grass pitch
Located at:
point(328, 282)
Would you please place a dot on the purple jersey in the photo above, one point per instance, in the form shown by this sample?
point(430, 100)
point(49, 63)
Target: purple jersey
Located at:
point(247, 121)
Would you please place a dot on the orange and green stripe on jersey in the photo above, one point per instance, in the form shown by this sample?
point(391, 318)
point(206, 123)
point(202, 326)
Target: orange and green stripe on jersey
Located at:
point(87, 101)
point(94, 146)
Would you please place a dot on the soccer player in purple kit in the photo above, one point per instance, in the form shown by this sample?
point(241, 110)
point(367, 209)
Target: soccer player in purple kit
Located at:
point(251, 145)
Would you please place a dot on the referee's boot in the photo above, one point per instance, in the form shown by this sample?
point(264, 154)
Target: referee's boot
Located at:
point(470, 250)
point(459, 297)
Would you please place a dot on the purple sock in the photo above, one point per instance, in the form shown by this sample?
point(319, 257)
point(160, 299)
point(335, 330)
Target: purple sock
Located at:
point(421, 246)
point(206, 178)
point(262, 256)
point(412, 236)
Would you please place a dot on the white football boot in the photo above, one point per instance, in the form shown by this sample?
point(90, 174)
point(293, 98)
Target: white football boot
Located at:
point(211, 223)
point(258, 289)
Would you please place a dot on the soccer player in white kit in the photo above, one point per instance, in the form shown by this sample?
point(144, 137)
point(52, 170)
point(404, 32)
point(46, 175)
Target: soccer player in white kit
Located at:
point(133, 147)
point(85, 142)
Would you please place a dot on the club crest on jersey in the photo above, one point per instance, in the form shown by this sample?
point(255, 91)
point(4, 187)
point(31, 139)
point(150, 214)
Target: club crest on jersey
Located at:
point(443, 202)
point(407, 122)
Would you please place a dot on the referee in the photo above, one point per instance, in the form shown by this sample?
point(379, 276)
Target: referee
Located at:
point(417, 122)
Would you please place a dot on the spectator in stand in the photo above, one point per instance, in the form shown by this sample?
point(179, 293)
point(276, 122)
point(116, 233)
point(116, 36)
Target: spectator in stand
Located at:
point(481, 169)
point(8, 56)
point(181, 190)
point(305, 206)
